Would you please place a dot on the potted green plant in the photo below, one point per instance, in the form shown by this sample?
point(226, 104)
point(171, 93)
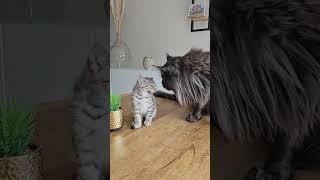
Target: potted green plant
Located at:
point(19, 158)
point(116, 121)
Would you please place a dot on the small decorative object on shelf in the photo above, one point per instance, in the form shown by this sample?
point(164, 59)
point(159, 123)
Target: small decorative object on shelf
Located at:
point(147, 62)
point(19, 158)
point(119, 50)
point(197, 10)
point(116, 120)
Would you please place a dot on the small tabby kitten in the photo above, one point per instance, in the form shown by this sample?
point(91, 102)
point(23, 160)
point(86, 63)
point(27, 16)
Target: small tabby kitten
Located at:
point(89, 107)
point(144, 102)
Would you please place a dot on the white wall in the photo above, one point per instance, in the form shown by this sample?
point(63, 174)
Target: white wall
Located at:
point(156, 27)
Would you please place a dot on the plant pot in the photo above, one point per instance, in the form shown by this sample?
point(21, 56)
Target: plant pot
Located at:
point(27, 166)
point(116, 120)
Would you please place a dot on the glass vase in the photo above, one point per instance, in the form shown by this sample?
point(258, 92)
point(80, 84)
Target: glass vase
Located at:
point(119, 54)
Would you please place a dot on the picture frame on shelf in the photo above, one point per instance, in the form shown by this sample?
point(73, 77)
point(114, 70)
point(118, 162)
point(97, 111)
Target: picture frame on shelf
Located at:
point(199, 15)
point(197, 9)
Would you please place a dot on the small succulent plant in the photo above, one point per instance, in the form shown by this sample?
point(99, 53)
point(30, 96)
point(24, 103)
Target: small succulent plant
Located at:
point(115, 102)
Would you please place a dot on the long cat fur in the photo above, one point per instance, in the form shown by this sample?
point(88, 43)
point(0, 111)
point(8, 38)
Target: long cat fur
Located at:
point(265, 77)
point(188, 77)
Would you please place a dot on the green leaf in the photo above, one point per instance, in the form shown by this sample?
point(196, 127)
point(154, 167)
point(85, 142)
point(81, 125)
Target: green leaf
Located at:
point(115, 102)
point(17, 128)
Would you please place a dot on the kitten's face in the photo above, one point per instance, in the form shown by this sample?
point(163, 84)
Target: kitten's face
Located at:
point(146, 84)
point(169, 73)
point(98, 64)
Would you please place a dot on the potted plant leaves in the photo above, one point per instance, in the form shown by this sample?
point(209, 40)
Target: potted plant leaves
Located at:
point(19, 158)
point(116, 121)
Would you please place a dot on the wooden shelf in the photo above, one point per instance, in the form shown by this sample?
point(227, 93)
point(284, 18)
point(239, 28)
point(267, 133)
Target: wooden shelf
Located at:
point(199, 18)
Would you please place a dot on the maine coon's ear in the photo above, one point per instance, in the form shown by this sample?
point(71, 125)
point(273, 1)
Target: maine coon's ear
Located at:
point(92, 63)
point(169, 58)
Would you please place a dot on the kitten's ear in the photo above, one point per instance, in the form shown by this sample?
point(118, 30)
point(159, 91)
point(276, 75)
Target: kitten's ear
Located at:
point(92, 63)
point(140, 79)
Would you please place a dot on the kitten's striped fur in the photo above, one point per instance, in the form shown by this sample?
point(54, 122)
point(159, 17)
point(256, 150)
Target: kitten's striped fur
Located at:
point(144, 102)
point(89, 106)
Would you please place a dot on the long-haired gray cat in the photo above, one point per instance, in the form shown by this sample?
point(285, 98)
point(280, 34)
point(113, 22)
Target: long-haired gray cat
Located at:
point(144, 102)
point(188, 77)
point(89, 106)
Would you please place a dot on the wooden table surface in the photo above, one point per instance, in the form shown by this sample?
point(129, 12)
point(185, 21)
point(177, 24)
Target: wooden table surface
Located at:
point(171, 148)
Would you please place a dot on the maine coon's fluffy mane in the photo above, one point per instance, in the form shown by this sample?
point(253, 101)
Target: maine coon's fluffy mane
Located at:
point(265, 67)
point(193, 77)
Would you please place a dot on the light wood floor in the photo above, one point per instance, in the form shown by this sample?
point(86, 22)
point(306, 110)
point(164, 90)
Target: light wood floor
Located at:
point(171, 148)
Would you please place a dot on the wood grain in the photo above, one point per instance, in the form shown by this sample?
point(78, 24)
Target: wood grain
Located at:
point(171, 148)
point(199, 18)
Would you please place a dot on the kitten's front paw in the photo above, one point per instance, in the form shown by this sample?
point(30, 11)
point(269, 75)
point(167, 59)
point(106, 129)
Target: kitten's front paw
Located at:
point(135, 126)
point(261, 174)
point(193, 117)
point(147, 123)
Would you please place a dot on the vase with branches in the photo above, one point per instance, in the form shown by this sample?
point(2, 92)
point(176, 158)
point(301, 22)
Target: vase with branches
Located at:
point(119, 50)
